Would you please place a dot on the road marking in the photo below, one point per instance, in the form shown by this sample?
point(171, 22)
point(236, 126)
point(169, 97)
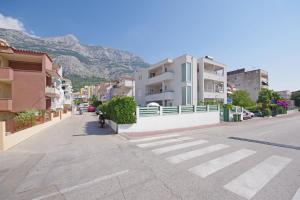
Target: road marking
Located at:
point(217, 164)
point(157, 143)
point(297, 195)
point(178, 146)
point(83, 185)
point(252, 181)
point(154, 138)
point(196, 153)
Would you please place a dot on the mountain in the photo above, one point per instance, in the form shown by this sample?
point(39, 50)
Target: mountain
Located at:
point(83, 64)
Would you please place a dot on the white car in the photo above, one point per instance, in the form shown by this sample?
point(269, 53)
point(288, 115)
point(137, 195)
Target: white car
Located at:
point(247, 114)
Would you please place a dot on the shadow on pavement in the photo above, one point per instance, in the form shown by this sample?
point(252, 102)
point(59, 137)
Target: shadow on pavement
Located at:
point(93, 128)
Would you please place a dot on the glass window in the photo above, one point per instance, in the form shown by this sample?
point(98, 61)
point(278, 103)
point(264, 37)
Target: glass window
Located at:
point(189, 72)
point(189, 95)
point(183, 72)
point(183, 95)
point(186, 72)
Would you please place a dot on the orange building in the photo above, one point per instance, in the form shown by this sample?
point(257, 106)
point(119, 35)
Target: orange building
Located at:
point(25, 80)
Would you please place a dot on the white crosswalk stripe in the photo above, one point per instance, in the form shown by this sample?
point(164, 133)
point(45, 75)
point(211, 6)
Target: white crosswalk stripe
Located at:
point(178, 146)
point(162, 142)
point(217, 164)
point(148, 139)
point(196, 153)
point(252, 181)
point(297, 195)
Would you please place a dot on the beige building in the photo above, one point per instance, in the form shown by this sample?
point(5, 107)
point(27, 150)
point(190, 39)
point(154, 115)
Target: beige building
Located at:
point(251, 81)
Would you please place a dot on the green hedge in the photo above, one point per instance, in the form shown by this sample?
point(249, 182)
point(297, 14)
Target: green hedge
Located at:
point(26, 118)
point(120, 110)
point(266, 112)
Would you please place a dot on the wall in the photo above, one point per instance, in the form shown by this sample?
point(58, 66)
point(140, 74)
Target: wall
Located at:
point(167, 122)
point(28, 90)
point(249, 81)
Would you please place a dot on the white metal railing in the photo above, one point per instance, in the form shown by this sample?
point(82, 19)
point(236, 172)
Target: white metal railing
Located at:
point(174, 110)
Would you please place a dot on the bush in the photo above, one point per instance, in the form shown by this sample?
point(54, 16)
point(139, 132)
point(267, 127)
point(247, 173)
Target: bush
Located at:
point(120, 110)
point(266, 112)
point(26, 118)
point(242, 98)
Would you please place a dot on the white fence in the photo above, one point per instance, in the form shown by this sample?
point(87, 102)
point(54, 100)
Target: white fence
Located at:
point(168, 118)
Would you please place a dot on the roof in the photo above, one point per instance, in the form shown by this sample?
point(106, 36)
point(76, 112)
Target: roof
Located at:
point(5, 44)
point(30, 52)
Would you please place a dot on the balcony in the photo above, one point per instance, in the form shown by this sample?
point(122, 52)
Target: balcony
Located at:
point(214, 76)
point(167, 95)
point(161, 77)
point(52, 92)
point(6, 74)
point(5, 105)
point(214, 95)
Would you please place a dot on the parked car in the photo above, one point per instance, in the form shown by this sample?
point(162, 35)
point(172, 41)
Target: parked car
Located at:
point(251, 114)
point(83, 106)
point(247, 114)
point(258, 114)
point(91, 109)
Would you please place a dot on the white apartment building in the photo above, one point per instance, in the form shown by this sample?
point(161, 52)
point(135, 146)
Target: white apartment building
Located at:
point(68, 90)
point(184, 80)
point(169, 82)
point(212, 80)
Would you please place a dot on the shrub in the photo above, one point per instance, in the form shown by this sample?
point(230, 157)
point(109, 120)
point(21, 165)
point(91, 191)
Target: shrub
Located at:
point(266, 112)
point(26, 118)
point(120, 110)
point(242, 98)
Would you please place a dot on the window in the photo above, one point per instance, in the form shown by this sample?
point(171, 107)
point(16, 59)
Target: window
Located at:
point(183, 72)
point(187, 95)
point(183, 95)
point(186, 72)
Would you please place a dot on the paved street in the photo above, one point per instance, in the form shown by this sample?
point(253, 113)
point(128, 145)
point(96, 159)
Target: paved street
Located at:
point(257, 159)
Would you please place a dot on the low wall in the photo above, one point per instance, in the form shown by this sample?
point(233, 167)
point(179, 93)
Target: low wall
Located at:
point(166, 122)
point(11, 140)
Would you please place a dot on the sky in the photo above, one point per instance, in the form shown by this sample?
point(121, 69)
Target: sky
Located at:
point(241, 34)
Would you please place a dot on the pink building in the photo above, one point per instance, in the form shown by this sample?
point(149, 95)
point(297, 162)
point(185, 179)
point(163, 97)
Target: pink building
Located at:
point(25, 80)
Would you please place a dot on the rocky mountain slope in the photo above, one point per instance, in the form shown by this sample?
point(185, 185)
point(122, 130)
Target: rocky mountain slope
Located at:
point(83, 64)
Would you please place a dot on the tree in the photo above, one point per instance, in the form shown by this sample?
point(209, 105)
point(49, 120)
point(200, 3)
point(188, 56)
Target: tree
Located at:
point(296, 97)
point(242, 98)
point(268, 97)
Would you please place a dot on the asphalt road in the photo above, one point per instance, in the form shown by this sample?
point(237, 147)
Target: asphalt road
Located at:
point(257, 159)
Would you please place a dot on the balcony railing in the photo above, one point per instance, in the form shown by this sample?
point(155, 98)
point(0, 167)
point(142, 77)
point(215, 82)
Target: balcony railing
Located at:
point(5, 104)
point(52, 92)
point(213, 76)
point(165, 95)
point(161, 77)
point(6, 74)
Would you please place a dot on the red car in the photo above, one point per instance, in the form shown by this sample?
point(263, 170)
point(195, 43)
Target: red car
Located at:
point(91, 109)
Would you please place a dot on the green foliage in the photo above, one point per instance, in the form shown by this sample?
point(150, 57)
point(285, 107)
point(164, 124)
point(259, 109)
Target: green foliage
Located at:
point(94, 101)
point(79, 82)
point(242, 98)
point(120, 110)
point(296, 98)
point(41, 112)
point(255, 108)
point(267, 112)
point(77, 102)
point(26, 118)
point(266, 96)
point(210, 102)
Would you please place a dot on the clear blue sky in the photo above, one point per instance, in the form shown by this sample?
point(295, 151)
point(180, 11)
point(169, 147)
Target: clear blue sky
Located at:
point(252, 34)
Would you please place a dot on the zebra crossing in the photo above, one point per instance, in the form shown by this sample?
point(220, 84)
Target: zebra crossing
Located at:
point(246, 185)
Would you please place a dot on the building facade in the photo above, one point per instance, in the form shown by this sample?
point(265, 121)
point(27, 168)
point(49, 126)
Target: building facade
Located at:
point(212, 80)
point(251, 81)
point(25, 81)
point(184, 80)
point(68, 90)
